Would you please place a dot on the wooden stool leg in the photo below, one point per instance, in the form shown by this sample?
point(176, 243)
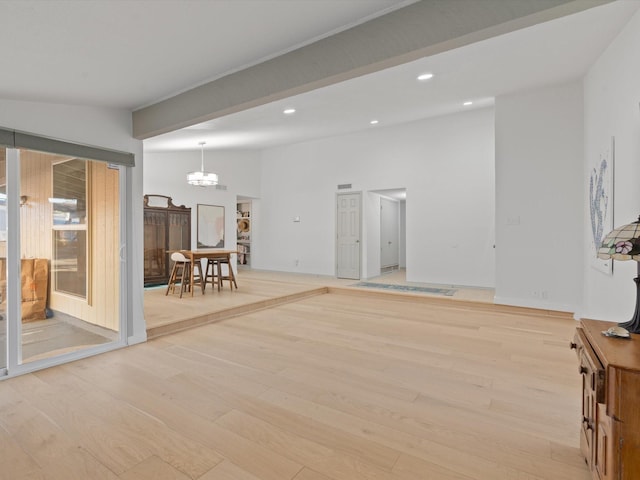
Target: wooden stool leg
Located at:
point(172, 280)
point(206, 276)
point(215, 273)
point(210, 273)
point(184, 282)
point(199, 277)
point(232, 276)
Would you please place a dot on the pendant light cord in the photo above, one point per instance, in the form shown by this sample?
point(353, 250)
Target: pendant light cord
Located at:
point(202, 144)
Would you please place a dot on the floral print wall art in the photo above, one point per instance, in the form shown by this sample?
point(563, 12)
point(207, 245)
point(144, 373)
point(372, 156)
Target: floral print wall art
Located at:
point(601, 184)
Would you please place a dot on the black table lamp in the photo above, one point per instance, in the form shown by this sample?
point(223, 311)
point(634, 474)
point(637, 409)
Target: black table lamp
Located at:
point(623, 243)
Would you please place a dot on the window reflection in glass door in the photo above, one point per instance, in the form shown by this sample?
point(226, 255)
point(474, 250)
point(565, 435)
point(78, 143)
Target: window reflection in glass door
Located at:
point(69, 224)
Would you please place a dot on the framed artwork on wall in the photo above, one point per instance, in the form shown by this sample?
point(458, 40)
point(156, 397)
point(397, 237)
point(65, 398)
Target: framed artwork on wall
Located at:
point(601, 194)
point(210, 226)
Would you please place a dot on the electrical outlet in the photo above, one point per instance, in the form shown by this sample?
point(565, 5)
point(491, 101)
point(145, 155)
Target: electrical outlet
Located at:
point(544, 294)
point(296, 262)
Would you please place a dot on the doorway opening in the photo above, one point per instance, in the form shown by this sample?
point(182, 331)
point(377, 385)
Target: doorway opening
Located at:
point(244, 217)
point(391, 231)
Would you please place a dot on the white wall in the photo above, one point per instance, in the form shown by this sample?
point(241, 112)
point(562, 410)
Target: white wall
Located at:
point(612, 99)
point(539, 198)
point(108, 128)
point(544, 143)
point(446, 165)
point(239, 171)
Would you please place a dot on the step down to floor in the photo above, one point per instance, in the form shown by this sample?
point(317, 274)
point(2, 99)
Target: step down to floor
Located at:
point(154, 332)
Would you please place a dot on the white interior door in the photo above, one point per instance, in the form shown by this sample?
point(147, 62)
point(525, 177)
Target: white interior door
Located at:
point(348, 235)
point(389, 233)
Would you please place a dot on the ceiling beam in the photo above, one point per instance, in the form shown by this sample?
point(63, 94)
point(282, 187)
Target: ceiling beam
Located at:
point(418, 30)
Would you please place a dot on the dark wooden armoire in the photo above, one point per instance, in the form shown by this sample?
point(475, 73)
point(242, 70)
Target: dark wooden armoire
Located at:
point(166, 227)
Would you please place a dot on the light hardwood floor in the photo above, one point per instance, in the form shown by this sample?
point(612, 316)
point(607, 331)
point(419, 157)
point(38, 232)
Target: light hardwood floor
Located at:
point(264, 289)
point(334, 386)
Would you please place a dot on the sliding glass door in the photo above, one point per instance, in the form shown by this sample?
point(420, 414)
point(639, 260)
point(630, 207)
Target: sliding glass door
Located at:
point(60, 264)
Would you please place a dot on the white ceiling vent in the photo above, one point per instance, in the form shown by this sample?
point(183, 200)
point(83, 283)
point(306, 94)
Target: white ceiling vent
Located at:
point(344, 186)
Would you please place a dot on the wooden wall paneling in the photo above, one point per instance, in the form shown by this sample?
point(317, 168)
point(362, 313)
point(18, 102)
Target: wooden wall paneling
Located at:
point(99, 255)
point(105, 243)
point(35, 215)
point(103, 234)
point(113, 182)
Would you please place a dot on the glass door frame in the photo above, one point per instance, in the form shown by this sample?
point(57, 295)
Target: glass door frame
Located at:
point(14, 295)
point(14, 365)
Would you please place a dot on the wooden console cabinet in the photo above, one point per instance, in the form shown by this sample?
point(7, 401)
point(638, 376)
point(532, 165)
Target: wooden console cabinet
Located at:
point(610, 432)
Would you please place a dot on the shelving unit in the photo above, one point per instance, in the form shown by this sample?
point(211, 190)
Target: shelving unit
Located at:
point(244, 233)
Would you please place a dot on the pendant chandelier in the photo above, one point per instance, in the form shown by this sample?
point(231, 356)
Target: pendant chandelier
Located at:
point(202, 178)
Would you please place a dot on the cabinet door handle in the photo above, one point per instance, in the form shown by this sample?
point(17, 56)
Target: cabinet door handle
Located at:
point(587, 424)
point(573, 345)
point(583, 370)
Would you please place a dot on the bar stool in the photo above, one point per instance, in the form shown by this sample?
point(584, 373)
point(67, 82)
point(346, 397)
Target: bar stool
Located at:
point(229, 276)
point(214, 276)
point(181, 273)
point(212, 273)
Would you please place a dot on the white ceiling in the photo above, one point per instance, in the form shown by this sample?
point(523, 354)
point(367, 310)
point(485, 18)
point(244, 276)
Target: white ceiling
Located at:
point(132, 53)
point(553, 52)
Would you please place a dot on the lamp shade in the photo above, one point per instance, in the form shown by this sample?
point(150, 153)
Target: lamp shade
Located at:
point(623, 243)
point(202, 178)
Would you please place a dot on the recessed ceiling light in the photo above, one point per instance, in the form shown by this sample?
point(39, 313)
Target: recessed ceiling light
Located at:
point(425, 76)
point(289, 111)
point(466, 104)
point(373, 122)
